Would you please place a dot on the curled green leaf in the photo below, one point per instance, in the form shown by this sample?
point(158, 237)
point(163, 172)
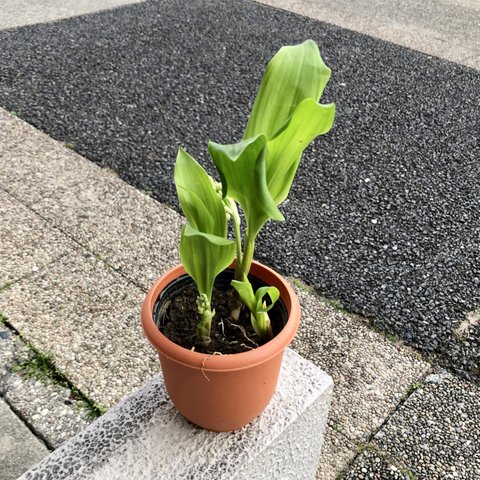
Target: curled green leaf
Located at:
point(243, 173)
point(284, 151)
point(256, 304)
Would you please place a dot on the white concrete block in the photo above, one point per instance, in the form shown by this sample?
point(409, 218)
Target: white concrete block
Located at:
point(144, 437)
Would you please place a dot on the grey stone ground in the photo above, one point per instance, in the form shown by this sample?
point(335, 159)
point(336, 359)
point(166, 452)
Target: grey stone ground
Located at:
point(427, 439)
point(382, 212)
point(434, 434)
point(19, 449)
point(50, 407)
point(443, 28)
point(87, 300)
point(15, 13)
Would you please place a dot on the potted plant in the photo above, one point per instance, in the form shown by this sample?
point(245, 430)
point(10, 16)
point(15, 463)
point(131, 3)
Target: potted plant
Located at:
point(221, 321)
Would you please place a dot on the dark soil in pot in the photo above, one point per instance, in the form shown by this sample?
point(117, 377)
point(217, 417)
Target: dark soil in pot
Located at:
point(175, 314)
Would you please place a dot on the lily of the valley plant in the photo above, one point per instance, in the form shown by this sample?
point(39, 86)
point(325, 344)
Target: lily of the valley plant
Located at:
point(256, 174)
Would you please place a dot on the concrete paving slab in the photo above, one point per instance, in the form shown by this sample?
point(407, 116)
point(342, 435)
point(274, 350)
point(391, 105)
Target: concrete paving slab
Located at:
point(372, 465)
point(19, 448)
point(16, 13)
point(447, 29)
point(87, 316)
point(49, 408)
point(28, 243)
point(337, 452)
point(133, 233)
point(33, 165)
point(371, 374)
point(435, 434)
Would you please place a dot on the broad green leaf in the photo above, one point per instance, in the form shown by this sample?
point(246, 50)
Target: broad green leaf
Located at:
point(293, 74)
point(200, 203)
point(204, 256)
point(284, 151)
point(242, 170)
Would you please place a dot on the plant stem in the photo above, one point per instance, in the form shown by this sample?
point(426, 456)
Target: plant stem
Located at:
point(205, 324)
point(248, 255)
point(264, 325)
point(238, 235)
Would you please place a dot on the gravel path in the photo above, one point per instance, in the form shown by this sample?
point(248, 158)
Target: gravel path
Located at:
point(383, 215)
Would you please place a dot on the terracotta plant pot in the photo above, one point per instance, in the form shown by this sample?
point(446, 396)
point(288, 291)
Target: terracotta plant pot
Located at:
point(222, 392)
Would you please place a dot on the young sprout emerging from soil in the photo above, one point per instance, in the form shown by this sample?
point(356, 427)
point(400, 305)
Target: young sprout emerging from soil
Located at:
point(255, 174)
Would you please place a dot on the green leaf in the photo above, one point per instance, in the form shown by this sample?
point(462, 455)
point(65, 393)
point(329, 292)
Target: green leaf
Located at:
point(293, 74)
point(243, 173)
point(284, 151)
point(204, 256)
point(246, 293)
point(200, 202)
point(254, 301)
point(272, 292)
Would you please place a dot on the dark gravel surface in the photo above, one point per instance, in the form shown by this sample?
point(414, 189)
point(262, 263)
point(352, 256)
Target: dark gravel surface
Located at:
point(384, 212)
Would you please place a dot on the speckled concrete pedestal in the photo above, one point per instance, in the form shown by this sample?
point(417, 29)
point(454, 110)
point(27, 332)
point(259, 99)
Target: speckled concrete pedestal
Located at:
point(143, 437)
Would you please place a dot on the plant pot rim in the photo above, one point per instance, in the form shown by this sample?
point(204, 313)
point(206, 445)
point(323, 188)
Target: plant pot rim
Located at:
point(227, 362)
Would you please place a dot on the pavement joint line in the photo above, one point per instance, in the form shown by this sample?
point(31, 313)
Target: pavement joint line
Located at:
point(420, 381)
point(68, 235)
point(58, 377)
point(11, 283)
point(30, 427)
point(368, 445)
